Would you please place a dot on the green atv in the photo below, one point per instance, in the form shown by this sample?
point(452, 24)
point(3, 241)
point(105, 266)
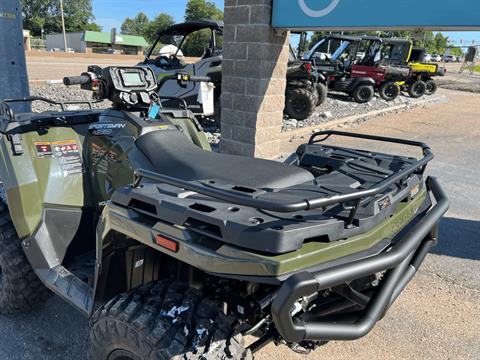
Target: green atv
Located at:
point(175, 251)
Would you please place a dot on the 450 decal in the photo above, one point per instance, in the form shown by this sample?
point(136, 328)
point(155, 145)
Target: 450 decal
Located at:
point(318, 13)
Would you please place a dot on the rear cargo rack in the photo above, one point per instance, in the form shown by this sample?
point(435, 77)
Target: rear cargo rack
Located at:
point(252, 200)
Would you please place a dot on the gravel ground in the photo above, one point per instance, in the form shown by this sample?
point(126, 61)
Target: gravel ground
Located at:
point(338, 106)
point(453, 80)
point(455, 84)
point(62, 93)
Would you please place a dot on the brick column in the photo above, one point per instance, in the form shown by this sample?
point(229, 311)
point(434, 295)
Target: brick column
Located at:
point(254, 79)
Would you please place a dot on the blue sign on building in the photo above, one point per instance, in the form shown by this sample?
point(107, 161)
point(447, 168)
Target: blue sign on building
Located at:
point(381, 14)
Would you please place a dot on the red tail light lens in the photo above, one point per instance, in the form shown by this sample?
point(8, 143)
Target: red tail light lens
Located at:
point(308, 67)
point(167, 243)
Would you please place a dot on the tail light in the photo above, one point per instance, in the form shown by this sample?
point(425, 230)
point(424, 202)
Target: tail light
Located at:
point(308, 67)
point(167, 243)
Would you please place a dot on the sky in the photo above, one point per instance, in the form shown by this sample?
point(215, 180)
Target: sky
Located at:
point(466, 37)
point(111, 13)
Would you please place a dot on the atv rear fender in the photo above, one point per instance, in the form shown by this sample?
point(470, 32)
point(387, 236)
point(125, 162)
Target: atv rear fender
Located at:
point(361, 82)
point(401, 263)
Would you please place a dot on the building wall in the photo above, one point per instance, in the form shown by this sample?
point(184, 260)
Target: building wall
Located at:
point(74, 41)
point(117, 49)
point(254, 78)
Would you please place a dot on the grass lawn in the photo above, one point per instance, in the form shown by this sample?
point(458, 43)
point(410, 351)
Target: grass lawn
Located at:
point(476, 68)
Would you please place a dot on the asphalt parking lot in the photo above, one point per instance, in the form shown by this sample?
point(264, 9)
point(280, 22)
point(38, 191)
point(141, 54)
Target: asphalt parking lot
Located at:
point(438, 315)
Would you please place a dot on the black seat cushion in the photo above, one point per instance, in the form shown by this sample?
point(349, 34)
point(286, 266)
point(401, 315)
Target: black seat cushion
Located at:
point(172, 154)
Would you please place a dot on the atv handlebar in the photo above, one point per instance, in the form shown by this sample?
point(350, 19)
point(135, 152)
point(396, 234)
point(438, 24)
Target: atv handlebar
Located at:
point(76, 80)
point(183, 78)
point(199, 79)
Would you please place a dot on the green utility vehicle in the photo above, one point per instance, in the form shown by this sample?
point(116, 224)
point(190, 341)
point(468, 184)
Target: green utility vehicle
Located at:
point(174, 251)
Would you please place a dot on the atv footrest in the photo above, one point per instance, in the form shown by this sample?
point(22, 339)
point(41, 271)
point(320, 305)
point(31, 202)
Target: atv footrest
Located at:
point(401, 263)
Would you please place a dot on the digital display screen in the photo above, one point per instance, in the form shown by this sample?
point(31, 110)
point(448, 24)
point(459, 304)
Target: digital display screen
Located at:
point(132, 79)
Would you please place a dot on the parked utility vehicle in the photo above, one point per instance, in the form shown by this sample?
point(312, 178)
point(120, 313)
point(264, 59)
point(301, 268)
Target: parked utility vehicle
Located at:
point(390, 77)
point(304, 92)
point(209, 63)
point(336, 68)
point(422, 72)
point(175, 251)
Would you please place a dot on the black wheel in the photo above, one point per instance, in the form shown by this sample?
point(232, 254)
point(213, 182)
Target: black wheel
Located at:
point(20, 288)
point(322, 93)
point(431, 87)
point(163, 320)
point(316, 95)
point(389, 91)
point(363, 94)
point(417, 89)
point(300, 103)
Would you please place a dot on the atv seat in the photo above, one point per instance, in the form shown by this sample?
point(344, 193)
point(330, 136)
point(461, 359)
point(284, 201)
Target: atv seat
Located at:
point(172, 154)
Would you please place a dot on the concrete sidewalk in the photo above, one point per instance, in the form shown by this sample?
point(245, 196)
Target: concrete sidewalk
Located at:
point(438, 315)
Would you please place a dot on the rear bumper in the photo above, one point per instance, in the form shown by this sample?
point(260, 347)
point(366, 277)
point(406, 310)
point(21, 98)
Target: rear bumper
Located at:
point(402, 263)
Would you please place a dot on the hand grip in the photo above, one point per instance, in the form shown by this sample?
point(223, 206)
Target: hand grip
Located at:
point(200, 79)
point(76, 80)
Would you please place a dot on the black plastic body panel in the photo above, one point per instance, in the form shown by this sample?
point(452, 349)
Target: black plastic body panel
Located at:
point(352, 192)
point(348, 85)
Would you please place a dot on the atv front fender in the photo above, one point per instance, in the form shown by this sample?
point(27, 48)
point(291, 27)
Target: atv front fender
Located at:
point(402, 263)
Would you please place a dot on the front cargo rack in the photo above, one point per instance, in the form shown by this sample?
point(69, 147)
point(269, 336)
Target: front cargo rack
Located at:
point(62, 104)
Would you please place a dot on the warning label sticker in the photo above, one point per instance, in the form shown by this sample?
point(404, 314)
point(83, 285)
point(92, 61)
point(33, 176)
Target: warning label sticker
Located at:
point(44, 149)
point(69, 157)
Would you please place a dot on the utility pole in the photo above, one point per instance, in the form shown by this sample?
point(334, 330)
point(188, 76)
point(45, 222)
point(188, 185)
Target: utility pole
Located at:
point(63, 27)
point(13, 69)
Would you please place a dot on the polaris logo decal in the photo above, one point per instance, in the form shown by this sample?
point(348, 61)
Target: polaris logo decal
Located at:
point(318, 13)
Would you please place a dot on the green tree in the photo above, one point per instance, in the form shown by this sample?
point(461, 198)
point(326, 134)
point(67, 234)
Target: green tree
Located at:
point(136, 26)
point(456, 52)
point(440, 43)
point(34, 14)
point(46, 15)
point(316, 37)
point(78, 14)
point(160, 23)
point(196, 43)
point(202, 10)
point(93, 27)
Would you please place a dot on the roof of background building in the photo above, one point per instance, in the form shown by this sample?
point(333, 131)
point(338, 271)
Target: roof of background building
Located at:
point(105, 38)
